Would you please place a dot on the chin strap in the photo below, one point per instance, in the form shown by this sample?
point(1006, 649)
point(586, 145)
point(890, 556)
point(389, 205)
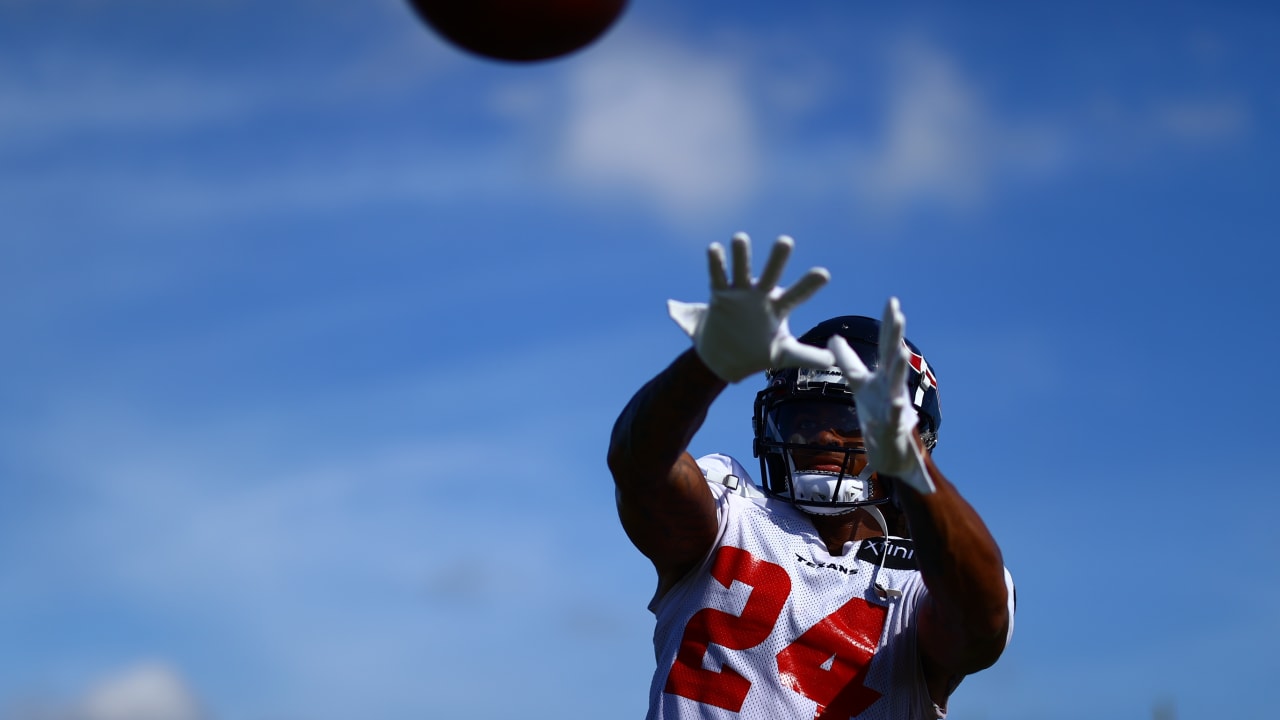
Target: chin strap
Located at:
point(883, 589)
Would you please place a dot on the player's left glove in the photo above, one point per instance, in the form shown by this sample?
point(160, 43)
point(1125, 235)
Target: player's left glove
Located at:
point(743, 330)
point(885, 411)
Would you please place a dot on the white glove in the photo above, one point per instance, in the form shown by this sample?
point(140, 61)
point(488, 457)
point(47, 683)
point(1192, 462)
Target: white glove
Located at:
point(885, 411)
point(744, 328)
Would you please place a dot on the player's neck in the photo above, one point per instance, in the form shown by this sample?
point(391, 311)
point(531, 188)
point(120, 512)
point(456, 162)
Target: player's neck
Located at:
point(836, 530)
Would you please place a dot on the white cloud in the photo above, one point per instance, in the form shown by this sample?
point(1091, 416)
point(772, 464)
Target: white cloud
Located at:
point(151, 691)
point(151, 125)
point(336, 569)
point(72, 100)
point(941, 143)
point(937, 128)
point(91, 87)
point(667, 122)
point(1204, 120)
point(653, 120)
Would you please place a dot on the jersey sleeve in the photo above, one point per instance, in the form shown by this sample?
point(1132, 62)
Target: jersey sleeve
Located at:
point(723, 470)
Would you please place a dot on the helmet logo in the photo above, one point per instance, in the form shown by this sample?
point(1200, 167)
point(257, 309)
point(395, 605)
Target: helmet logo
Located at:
point(927, 380)
point(807, 377)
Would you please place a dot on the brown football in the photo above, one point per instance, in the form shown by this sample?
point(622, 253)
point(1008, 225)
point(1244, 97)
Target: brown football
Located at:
point(520, 30)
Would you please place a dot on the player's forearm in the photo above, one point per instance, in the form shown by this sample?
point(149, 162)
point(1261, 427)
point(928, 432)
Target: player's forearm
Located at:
point(963, 568)
point(661, 419)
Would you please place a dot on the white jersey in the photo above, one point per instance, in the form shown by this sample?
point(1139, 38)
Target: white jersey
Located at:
point(770, 625)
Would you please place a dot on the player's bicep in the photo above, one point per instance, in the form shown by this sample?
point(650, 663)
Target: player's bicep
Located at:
point(671, 519)
point(950, 649)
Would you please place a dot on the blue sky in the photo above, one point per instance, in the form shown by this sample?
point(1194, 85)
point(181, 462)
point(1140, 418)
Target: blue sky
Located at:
point(314, 329)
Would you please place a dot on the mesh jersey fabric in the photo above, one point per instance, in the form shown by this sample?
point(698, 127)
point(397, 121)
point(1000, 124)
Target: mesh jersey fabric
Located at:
point(770, 625)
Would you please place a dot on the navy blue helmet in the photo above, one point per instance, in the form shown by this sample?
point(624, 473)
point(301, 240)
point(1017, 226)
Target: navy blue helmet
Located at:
point(806, 429)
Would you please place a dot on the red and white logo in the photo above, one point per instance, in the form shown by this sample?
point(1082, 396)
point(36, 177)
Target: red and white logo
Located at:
point(927, 380)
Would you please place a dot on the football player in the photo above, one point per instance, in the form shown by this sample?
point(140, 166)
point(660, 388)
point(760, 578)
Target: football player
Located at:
point(853, 580)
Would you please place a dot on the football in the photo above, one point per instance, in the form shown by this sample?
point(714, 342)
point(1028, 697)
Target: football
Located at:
point(519, 30)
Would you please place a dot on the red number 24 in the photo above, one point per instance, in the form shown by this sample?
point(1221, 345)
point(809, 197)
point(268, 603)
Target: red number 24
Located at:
point(827, 663)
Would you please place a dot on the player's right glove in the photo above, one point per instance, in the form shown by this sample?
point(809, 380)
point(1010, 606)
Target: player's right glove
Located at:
point(743, 330)
point(885, 411)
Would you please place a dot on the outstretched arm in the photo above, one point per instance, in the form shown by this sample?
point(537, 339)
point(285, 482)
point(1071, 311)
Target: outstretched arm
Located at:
point(965, 617)
point(665, 505)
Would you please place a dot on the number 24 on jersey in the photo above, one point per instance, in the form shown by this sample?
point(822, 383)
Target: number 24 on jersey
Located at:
point(827, 663)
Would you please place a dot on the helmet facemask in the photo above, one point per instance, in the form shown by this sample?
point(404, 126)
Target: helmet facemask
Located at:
point(810, 446)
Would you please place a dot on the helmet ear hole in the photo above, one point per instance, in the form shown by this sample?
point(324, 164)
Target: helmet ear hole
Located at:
point(930, 439)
